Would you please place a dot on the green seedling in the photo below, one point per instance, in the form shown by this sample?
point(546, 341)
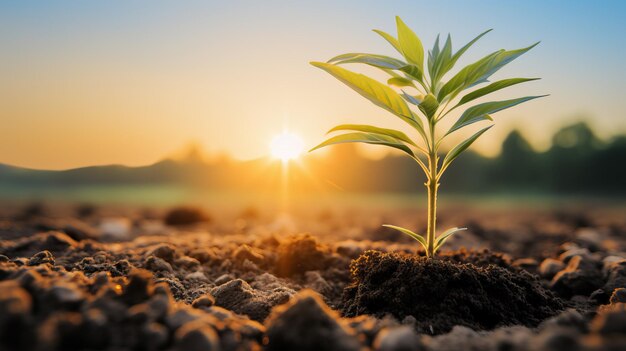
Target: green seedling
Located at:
point(432, 99)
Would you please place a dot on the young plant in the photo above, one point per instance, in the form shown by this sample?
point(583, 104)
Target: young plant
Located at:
point(434, 100)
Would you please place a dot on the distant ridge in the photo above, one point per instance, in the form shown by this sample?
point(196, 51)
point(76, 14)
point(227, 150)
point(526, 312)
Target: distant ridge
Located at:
point(577, 163)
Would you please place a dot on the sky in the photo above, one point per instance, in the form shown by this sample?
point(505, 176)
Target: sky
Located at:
point(129, 82)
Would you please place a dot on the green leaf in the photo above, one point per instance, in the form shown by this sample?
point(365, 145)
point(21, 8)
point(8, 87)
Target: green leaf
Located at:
point(432, 56)
point(380, 61)
point(441, 61)
point(376, 130)
point(501, 59)
point(393, 41)
point(445, 235)
point(446, 52)
point(436, 47)
point(449, 64)
point(413, 71)
point(410, 44)
point(366, 138)
point(429, 106)
point(413, 235)
point(415, 100)
point(400, 82)
point(457, 150)
point(461, 51)
point(460, 80)
point(392, 73)
point(495, 86)
point(378, 93)
point(479, 71)
point(482, 111)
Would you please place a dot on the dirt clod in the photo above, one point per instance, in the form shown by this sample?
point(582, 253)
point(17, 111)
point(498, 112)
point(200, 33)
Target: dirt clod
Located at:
point(307, 324)
point(299, 254)
point(185, 216)
point(550, 267)
point(41, 258)
point(237, 295)
point(618, 296)
point(441, 294)
point(610, 320)
point(401, 338)
point(580, 277)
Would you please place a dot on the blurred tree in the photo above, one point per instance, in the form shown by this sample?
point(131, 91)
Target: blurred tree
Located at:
point(569, 159)
point(577, 136)
point(517, 165)
point(611, 168)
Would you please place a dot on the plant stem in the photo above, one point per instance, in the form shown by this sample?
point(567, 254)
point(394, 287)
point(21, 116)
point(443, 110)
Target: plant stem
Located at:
point(432, 185)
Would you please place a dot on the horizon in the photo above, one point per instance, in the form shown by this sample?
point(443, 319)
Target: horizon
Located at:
point(125, 83)
point(194, 151)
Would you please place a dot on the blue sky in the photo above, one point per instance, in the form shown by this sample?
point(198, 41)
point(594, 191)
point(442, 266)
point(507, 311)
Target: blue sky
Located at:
point(146, 77)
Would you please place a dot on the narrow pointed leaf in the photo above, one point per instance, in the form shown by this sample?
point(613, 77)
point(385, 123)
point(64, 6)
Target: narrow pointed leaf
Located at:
point(392, 73)
point(429, 106)
point(366, 138)
point(457, 150)
point(413, 235)
point(400, 82)
point(410, 44)
point(446, 52)
point(436, 47)
point(378, 93)
point(431, 63)
point(502, 59)
point(441, 61)
point(479, 71)
point(417, 123)
point(445, 235)
point(376, 130)
point(432, 56)
point(462, 50)
point(395, 74)
point(380, 61)
point(476, 119)
point(461, 80)
point(450, 64)
point(390, 39)
point(481, 112)
point(415, 100)
point(413, 71)
point(495, 86)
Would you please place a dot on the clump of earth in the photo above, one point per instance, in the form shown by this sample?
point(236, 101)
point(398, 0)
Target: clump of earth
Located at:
point(440, 294)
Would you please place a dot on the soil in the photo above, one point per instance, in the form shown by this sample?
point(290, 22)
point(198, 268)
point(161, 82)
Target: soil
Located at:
point(120, 279)
point(441, 293)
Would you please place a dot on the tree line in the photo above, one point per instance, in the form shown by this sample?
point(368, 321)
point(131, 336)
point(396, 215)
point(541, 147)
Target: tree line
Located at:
point(577, 162)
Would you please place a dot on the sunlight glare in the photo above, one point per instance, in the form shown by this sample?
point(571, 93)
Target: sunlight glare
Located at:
point(286, 146)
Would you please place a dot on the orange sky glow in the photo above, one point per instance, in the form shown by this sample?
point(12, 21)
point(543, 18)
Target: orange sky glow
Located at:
point(88, 84)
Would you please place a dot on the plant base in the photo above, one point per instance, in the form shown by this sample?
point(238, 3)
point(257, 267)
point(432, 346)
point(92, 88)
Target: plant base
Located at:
point(440, 293)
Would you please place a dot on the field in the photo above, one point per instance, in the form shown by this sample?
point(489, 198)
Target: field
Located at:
point(246, 278)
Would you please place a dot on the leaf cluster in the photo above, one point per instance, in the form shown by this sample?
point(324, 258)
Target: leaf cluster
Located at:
point(439, 91)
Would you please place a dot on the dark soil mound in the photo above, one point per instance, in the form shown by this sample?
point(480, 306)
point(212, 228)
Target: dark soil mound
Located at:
point(185, 216)
point(441, 294)
point(480, 258)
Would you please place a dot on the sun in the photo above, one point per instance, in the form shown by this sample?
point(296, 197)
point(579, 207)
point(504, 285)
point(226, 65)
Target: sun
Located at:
point(286, 146)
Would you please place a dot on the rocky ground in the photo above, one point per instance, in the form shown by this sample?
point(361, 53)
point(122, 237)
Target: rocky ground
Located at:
point(88, 279)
